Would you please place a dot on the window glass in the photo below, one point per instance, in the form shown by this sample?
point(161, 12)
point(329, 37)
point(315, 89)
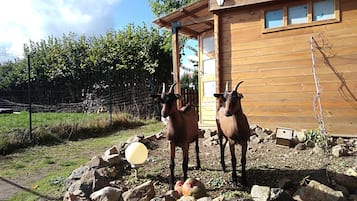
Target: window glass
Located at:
point(323, 10)
point(297, 14)
point(209, 88)
point(274, 18)
point(209, 66)
point(208, 44)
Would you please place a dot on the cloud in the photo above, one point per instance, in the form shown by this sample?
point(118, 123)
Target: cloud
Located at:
point(21, 21)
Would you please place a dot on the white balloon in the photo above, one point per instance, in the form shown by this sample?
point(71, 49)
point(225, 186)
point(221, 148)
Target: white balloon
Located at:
point(136, 153)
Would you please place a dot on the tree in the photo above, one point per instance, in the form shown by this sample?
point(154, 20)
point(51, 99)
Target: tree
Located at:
point(75, 62)
point(164, 7)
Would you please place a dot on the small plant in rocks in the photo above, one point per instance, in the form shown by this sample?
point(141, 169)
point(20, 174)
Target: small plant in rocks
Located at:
point(317, 138)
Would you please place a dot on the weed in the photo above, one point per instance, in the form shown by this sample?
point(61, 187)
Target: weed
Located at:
point(57, 181)
point(235, 194)
point(19, 166)
point(315, 136)
point(216, 182)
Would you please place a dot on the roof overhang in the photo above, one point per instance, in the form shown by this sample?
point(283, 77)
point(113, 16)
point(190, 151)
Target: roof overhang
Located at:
point(213, 6)
point(193, 19)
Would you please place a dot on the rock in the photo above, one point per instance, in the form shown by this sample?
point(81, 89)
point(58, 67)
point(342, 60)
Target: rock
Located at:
point(349, 182)
point(300, 146)
point(107, 194)
point(300, 136)
point(340, 140)
point(109, 172)
point(352, 197)
point(260, 193)
point(112, 150)
point(316, 191)
point(112, 159)
point(205, 199)
point(320, 176)
point(318, 150)
point(77, 195)
point(278, 194)
point(220, 198)
point(143, 192)
point(339, 150)
point(211, 141)
point(75, 175)
point(253, 126)
point(343, 189)
point(96, 162)
point(285, 183)
point(90, 181)
point(170, 195)
point(187, 198)
point(137, 138)
point(351, 172)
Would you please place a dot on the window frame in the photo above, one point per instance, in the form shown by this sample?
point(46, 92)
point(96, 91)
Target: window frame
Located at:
point(309, 22)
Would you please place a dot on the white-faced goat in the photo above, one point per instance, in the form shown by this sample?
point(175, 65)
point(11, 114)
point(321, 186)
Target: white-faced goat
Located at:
point(232, 124)
point(182, 129)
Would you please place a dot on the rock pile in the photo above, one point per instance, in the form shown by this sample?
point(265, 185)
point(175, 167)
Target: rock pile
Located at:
point(99, 178)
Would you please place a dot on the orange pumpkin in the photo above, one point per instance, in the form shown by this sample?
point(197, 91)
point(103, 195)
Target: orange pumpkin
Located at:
point(187, 186)
point(178, 186)
point(194, 188)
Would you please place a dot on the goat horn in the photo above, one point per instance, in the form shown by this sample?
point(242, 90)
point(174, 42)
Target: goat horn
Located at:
point(172, 86)
point(163, 88)
point(235, 89)
point(226, 86)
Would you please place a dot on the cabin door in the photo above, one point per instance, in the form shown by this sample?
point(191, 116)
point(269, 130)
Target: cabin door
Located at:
point(207, 82)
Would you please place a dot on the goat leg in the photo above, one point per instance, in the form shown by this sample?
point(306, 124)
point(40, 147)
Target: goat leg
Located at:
point(243, 162)
point(222, 147)
point(234, 165)
point(198, 162)
point(172, 165)
point(185, 160)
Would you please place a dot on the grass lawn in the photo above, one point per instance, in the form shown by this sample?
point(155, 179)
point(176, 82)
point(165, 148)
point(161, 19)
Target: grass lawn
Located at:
point(54, 128)
point(51, 165)
point(21, 120)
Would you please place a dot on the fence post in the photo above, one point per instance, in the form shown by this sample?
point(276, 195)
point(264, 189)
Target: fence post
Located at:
point(29, 94)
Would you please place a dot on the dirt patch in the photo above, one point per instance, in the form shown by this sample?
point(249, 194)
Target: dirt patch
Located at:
point(267, 164)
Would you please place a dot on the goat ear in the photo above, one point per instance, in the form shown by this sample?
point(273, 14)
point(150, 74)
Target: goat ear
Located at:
point(219, 95)
point(240, 95)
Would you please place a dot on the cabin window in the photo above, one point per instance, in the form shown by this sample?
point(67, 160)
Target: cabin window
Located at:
point(274, 18)
point(308, 13)
point(297, 14)
point(323, 10)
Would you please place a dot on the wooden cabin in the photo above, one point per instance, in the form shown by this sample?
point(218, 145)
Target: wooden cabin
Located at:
point(298, 59)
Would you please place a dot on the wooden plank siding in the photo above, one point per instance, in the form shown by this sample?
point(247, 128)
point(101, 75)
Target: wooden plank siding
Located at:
point(276, 68)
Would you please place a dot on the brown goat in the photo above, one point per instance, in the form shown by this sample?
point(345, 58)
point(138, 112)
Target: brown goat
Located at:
point(182, 129)
point(232, 124)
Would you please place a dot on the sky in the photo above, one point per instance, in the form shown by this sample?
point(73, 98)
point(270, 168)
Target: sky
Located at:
point(25, 20)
